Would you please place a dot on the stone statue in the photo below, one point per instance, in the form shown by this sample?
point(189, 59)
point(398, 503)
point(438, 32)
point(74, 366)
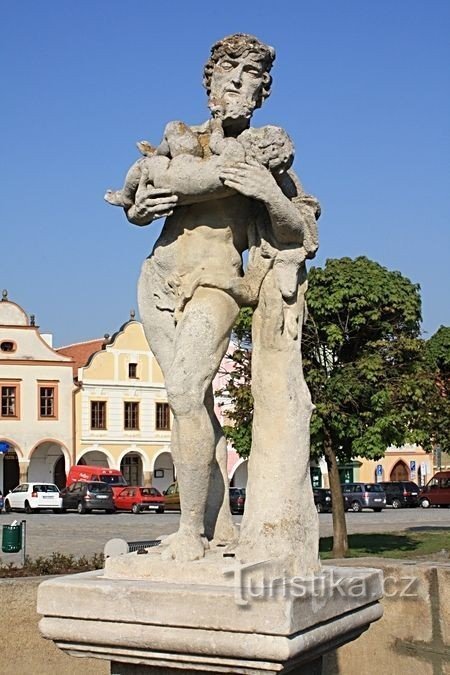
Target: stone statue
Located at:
point(224, 188)
point(259, 603)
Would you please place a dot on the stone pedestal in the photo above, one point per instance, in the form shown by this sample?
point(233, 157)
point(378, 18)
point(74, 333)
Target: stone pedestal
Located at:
point(209, 616)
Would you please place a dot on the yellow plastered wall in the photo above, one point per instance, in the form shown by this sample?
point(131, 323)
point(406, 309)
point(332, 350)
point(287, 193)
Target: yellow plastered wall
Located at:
point(143, 368)
point(100, 368)
point(157, 375)
point(132, 337)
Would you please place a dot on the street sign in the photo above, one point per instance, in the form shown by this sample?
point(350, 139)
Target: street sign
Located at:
point(412, 465)
point(4, 447)
point(379, 469)
point(423, 469)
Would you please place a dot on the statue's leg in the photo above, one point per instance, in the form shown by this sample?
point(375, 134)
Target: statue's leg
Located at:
point(219, 524)
point(201, 340)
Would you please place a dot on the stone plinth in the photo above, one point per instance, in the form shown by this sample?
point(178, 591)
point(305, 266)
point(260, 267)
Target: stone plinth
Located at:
point(211, 616)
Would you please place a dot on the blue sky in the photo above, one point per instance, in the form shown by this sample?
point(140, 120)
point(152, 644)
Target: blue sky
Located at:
point(362, 88)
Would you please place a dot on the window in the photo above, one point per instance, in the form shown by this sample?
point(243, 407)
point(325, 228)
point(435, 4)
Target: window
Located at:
point(98, 414)
point(10, 401)
point(162, 417)
point(132, 371)
point(8, 346)
point(131, 415)
point(47, 401)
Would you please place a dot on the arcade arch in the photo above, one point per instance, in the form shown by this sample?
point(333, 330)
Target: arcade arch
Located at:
point(239, 474)
point(163, 470)
point(96, 457)
point(9, 466)
point(49, 462)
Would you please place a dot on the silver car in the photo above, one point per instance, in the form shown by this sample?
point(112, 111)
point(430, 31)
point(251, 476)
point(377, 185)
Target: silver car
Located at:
point(361, 496)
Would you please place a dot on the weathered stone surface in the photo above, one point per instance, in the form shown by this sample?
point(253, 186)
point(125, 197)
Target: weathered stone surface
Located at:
point(414, 634)
point(196, 621)
point(225, 187)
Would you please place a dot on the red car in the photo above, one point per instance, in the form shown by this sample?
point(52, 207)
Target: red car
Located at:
point(137, 499)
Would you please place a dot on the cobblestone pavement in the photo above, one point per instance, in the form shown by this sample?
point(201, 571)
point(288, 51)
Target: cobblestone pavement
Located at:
point(87, 534)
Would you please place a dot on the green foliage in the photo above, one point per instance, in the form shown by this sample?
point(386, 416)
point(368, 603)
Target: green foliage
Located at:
point(438, 352)
point(373, 380)
point(237, 393)
point(437, 380)
point(361, 351)
point(56, 563)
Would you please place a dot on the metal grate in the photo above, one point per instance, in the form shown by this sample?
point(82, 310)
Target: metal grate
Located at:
point(139, 545)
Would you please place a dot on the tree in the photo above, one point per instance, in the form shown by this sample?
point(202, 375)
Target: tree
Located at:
point(374, 381)
point(437, 350)
point(362, 354)
point(237, 392)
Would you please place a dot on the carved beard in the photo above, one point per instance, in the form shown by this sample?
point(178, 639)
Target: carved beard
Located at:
point(233, 108)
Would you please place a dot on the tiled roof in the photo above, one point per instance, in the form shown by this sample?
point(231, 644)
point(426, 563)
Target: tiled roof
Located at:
point(80, 352)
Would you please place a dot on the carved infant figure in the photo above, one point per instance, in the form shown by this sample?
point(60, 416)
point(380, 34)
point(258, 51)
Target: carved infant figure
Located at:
point(181, 164)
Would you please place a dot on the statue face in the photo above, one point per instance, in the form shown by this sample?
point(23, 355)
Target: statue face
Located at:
point(236, 85)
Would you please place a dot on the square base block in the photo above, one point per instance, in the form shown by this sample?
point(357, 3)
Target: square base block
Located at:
point(212, 618)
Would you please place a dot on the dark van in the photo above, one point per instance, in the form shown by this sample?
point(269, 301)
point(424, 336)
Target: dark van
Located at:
point(401, 493)
point(361, 496)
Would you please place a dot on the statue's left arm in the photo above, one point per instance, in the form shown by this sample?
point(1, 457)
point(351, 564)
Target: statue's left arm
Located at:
point(292, 213)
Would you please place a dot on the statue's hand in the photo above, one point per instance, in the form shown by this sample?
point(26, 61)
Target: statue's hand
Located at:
point(251, 179)
point(151, 203)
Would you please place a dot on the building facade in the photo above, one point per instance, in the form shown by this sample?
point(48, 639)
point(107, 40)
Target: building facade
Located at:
point(36, 411)
point(122, 416)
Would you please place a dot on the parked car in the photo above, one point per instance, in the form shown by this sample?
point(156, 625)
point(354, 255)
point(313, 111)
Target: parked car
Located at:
point(237, 499)
point(33, 497)
point(322, 500)
point(83, 472)
point(137, 499)
point(83, 496)
point(401, 493)
point(437, 491)
point(364, 496)
point(172, 498)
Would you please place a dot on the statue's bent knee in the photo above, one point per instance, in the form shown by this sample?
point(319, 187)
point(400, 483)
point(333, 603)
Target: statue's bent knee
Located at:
point(182, 399)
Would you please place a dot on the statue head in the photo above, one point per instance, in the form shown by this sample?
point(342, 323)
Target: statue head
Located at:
point(236, 76)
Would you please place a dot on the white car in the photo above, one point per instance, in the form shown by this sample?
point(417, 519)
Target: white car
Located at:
point(32, 497)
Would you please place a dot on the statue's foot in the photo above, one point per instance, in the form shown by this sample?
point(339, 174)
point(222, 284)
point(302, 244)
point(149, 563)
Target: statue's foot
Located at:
point(184, 546)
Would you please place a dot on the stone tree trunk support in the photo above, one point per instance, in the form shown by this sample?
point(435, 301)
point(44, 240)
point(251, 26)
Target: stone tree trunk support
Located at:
point(280, 519)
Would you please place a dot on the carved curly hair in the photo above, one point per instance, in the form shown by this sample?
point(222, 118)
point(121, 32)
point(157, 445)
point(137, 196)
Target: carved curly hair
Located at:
point(235, 46)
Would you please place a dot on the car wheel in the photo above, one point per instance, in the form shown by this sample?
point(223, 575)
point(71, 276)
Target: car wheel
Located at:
point(356, 507)
point(319, 508)
point(135, 508)
point(378, 510)
point(81, 508)
point(425, 503)
point(396, 504)
point(161, 509)
point(28, 508)
point(8, 508)
point(110, 511)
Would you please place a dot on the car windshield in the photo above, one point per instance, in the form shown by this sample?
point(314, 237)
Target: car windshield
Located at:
point(45, 488)
point(373, 488)
point(99, 487)
point(113, 480)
